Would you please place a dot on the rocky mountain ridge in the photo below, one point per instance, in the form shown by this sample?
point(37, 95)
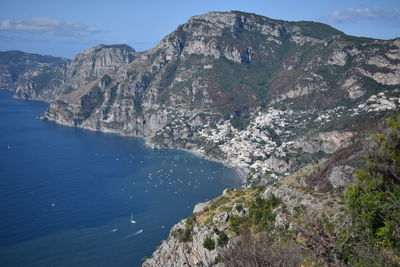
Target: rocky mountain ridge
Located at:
point(48, 78)
point(262, 95)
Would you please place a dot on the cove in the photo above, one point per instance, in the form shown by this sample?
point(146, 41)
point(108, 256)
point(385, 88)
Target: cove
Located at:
point(67, 195)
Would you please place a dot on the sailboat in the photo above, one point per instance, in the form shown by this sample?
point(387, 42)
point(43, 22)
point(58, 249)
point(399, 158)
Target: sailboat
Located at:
point(132, 220)
point(115, 229)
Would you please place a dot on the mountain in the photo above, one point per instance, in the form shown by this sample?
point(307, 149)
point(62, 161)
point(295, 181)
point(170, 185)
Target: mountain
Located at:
point(262, 95)
point(48, 78)
point(26, 72)
point(92, 63)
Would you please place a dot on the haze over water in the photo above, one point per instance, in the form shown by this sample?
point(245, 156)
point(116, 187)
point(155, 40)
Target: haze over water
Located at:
point(67, 195)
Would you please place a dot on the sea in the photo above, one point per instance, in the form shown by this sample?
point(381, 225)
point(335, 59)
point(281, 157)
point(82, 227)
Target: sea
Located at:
point(68, 196)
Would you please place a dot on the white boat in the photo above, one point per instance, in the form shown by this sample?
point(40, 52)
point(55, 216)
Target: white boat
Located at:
point(132, 220)
point(115, 229)
point(139, 232)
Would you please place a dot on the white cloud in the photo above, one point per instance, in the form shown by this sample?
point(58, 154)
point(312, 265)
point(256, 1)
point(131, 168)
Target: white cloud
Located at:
point(356, 14)
point(45, 25)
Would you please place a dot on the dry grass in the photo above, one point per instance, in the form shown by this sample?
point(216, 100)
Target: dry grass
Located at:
point(75, 96)
point(226, 202)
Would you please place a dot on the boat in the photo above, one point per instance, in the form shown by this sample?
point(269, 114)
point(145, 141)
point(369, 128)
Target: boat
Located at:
point(139, 232)
point(115, 229)
point(132, 220)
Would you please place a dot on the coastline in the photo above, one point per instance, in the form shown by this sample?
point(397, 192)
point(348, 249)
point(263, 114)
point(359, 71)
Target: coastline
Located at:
point(242, 173)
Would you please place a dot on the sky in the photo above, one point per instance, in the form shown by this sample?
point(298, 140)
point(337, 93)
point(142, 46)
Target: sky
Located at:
point(65, 28)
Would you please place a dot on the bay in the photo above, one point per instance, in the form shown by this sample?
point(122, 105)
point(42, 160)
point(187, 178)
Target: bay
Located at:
point(67, 195)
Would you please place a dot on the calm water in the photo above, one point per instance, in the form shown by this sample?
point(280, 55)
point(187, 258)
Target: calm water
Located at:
point(64, 190)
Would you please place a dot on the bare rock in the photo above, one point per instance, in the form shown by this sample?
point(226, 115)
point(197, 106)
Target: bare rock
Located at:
point(241, 212)
point(340, 176)
point(201, 207)
point(338, 58)
point(328, 142)
point(220, 218)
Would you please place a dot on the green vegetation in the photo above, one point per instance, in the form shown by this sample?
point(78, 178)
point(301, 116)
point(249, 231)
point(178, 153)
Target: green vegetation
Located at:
point(42, 80)
point(223, 239)
point(17, 62)
point(259, 218)
point(317, 30)
point(118, 46)
point(158, 138)
point(185, 235)
point(240, 121)
point(169, 73)
point(239, 208)
point(374, 200)
point(90, 102)
point(366, 235)
point(209, 243)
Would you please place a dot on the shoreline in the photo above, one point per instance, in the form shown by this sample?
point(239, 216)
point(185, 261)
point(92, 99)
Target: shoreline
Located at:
point(243, 174)
point(239, 171)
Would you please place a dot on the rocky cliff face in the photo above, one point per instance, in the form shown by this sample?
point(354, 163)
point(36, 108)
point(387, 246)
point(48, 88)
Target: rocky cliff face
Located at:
point(94, 62)
point(48, 78)
point(221, 219)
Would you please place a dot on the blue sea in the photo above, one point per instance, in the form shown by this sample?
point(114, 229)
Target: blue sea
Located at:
point(67, 195)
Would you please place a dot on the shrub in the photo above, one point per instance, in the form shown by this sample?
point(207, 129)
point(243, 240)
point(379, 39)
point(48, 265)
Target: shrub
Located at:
point(260, 216)
point(222, 239)
point(239, 208)
point(240, 121)
point(263, 251)
point(185, 235)
point(374, 200)
point(209, 243)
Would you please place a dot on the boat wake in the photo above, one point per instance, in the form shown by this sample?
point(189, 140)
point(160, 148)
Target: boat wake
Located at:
point(135, 233)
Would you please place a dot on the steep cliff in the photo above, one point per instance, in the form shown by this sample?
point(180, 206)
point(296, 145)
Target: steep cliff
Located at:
point(263, 95)
point(91, 64)
point(48, 78)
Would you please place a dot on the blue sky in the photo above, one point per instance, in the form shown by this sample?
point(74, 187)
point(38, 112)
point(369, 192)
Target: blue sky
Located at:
point(64, 28)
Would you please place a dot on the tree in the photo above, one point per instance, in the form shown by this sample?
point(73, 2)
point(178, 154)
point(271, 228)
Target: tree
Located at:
point(374, 200)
